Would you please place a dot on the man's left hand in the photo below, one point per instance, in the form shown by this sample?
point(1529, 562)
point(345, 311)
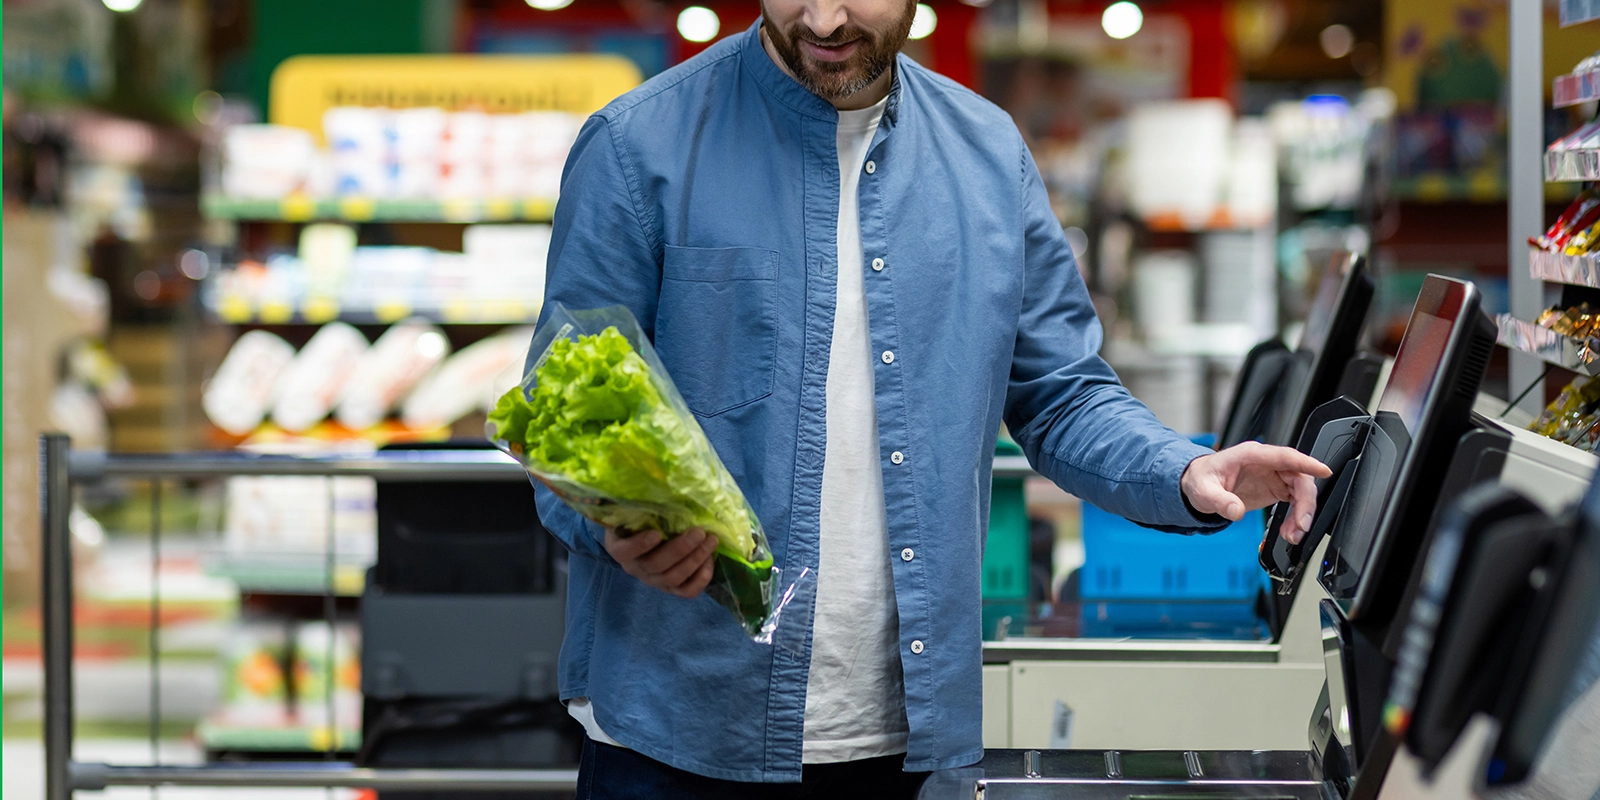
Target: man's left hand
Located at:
point(1252, 475)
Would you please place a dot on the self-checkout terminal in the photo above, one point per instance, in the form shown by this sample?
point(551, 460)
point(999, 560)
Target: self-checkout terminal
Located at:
point(1277, 386)
point(1422, 450)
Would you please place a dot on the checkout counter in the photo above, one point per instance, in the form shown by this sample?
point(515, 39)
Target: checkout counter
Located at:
point(1503, 631)
point(1154, 693)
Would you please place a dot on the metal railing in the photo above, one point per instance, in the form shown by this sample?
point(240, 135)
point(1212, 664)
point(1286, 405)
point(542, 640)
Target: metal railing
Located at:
point(60, 468)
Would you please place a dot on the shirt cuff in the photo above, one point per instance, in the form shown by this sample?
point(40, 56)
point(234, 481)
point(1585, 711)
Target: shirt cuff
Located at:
point(1178, 514)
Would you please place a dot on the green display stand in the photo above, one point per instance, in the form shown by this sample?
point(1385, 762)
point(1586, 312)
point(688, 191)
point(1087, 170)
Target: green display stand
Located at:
point(1005, 554)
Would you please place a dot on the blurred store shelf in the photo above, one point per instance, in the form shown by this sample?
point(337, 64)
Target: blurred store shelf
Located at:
point(1583, 270)
point(1549, 346)
point(1219, 220)
point(365, 209)
point(1574, 12)
point(237, 310)
point(1572, 165)
point(224, 740)
point(290, 573)
point(1582, 87)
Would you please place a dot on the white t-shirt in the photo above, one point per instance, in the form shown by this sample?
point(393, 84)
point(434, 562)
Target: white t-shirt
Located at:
point(855, 695)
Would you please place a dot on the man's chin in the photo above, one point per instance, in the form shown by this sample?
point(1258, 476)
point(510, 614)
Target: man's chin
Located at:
point(833, 85)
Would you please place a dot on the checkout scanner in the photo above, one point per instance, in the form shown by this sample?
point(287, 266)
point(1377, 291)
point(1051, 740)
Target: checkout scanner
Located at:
point(1277, 388)
point(1399, 464)
point(1509, 604)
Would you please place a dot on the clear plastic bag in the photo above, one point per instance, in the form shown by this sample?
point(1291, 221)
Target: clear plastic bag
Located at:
point(599, 422)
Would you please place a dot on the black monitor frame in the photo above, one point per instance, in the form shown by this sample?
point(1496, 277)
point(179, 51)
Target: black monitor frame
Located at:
point(1368, 592)
point(1343, 299)
point(1277, 389)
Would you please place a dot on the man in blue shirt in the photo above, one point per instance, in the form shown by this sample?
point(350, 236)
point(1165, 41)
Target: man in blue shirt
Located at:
point(851, 270)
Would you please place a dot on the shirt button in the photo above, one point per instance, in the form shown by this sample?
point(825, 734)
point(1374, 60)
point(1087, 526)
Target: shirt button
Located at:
point(916, 646)
point(888, 356)
point(897, 457)
point(907, 554)
point(871, 167)
point(877, 265)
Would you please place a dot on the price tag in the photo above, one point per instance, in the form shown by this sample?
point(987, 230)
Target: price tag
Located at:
point(233, 308)
point(459, 210)
point(391, 311)
point(357, 209)
point(318, 310)
point(276, 312)
point(499, 208)
point(297, 208)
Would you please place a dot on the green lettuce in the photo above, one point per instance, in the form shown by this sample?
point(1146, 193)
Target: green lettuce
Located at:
point(598, 429)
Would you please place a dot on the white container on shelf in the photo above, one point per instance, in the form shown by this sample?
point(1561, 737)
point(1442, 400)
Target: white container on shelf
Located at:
point(1163, 295)
point(468, 381)
point(313, 382)
point(1178, 158)
point(239, 396)
point(389, 370)
point(358, 139)
point(265, 161)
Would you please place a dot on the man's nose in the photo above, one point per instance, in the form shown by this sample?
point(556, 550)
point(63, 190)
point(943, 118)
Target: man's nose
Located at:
point(824, 17)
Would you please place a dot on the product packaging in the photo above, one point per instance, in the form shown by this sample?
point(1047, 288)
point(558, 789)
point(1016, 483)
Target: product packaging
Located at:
point(312, 384)
point(598, 421)
point(241, 393)
point(389, 370)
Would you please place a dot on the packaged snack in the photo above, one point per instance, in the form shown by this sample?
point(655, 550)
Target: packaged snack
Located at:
point(1581, 205)
point(241, 393)
point(389, 370)
point(312, 383)
point(599, 422)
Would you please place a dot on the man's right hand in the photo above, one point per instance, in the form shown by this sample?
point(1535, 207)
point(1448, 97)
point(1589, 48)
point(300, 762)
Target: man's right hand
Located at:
point(679, 566)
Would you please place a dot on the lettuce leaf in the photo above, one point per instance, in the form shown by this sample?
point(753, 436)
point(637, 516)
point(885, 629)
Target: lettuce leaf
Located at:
point(596, 417)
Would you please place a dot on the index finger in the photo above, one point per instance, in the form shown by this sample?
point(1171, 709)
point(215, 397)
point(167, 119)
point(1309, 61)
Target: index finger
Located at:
point(1288, 459)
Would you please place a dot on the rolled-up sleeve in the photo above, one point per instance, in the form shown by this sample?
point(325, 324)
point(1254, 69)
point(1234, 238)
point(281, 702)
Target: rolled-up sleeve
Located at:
point(601, 254)
point(1075, 422)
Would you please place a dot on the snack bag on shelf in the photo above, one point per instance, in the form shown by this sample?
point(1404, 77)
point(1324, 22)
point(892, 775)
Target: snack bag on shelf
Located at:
point(1586, 201)
point(599, 422)
point(254, 687)
point(241, 393)
point(311, 385)
point(322, 654)
point(389, 370)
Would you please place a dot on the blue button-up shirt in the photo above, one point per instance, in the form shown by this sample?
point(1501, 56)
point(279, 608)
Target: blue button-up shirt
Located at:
point(706, 201)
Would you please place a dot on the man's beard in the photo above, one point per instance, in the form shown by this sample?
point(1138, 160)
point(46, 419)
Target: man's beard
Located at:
point(836, 80)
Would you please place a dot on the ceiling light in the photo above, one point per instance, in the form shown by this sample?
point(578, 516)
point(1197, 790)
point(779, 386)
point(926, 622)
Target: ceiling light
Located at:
point(1337, 40)
point(924, 22)
point(122, 5)
point(1122, 20)
point(698, 24)
point(549, 5)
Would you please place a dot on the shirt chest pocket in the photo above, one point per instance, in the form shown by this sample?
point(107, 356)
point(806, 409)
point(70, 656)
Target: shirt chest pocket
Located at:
point(716, 325)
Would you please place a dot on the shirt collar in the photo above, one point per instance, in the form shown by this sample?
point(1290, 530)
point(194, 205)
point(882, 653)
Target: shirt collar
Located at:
point(792, 94)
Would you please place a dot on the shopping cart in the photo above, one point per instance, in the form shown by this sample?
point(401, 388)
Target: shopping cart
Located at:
point(62, 468)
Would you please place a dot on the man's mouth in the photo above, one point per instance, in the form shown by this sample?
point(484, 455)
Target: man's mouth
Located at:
point(837, 52)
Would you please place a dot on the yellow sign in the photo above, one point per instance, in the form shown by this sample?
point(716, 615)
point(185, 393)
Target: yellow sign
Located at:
point(305, 87)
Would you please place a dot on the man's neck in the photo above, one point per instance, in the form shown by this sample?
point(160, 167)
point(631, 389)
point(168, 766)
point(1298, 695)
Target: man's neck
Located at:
point(866, 98)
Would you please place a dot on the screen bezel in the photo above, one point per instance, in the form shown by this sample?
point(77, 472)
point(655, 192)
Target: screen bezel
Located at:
point(1341, 338)
point(1438, 293)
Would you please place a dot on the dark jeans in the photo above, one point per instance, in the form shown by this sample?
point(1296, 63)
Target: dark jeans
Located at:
point(615, 773)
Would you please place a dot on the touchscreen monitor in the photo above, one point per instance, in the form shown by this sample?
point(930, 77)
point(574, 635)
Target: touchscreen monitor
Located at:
point(1332, 336)
point(1425, 407)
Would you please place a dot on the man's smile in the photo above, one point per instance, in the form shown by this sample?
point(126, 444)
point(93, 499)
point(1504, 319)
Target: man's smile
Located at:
point(834, 53)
